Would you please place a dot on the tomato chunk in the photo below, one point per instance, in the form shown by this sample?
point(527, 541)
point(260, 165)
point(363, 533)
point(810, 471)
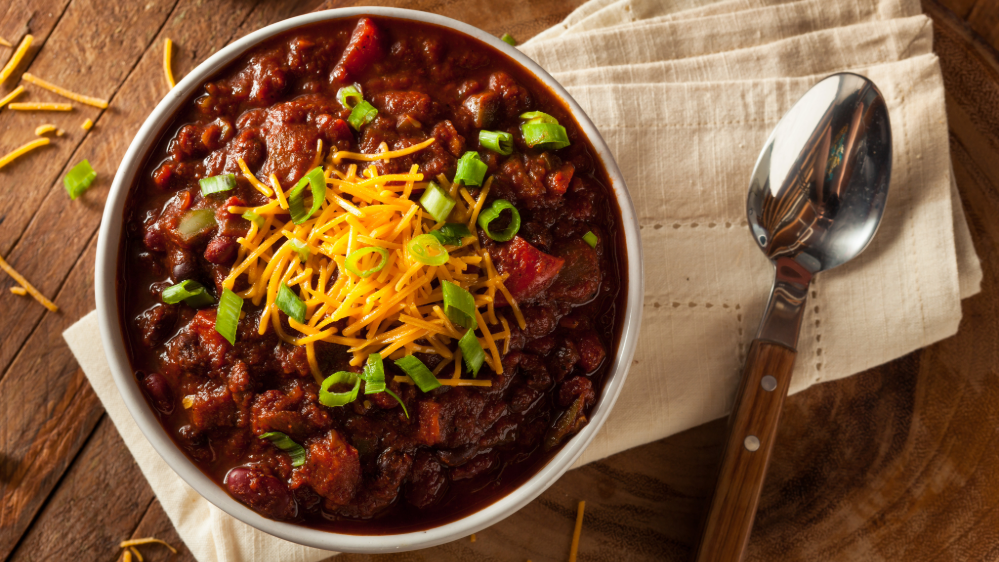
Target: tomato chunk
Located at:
point(531, 270)
point(365, 48)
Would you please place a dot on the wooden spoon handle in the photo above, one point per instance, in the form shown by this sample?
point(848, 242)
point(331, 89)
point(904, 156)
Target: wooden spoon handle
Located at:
point(752, 430)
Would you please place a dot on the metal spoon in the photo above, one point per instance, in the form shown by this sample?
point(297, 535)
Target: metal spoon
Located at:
point(815, 201)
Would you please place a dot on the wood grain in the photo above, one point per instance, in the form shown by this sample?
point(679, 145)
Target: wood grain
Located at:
point(755, 415)
point(895, 463)
point(108, 492)
point(37, 180)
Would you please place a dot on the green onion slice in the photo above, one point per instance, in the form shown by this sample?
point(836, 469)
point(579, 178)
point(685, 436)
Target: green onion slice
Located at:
point(188, 291)
point(195, 222)
point(451, 234)
point(399, 400)
point(332, 399)
point(538, 117)
point(497, 141)
point(79, 179)
point(471, 169)
point(350, 96)
point(546, 136)
point(290, 304)
point(459, 305)
point(217, 184)
point(227, 317)
point(374, 379)
point(374, 374)
point(436, 202)
point(419, 372)
point(471, 352)
point(590, 239)
point(301, 248)
point(254, 218)
point(361, 115)
point(509, 40)
point(354, 261)
point(492, 213)
point(296, 197)
point(283, 442)
point(427, 250)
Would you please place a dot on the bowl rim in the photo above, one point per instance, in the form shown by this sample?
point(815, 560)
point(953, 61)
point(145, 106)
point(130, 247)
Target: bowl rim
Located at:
point(110, 332)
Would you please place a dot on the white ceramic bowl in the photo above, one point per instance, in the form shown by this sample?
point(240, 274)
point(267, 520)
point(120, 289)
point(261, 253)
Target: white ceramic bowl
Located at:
point(106, 273)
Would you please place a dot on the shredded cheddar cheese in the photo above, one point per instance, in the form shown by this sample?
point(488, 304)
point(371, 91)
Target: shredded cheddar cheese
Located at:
point(19, 291)
point(27, 286)
point(395, 311)
point(384, 155)
point(259, 185)
point(41, 106)
point(168, 62)
point(96, 102)
point(42, 129)
point(87, 125)
point(5, 42)
point(15, 59)
point(13, 94)
point(22, 150)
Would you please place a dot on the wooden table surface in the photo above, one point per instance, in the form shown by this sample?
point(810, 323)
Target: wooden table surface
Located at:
point(897, 463)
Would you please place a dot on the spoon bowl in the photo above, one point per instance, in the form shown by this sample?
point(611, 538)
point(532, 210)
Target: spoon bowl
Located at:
point(815, 201)
point(819, 186)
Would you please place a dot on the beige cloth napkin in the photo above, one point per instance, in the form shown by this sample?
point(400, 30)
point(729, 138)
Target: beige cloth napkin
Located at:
point(706, 81)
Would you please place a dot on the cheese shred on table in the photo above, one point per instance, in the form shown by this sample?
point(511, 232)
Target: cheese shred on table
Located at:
point(41, 106)
point(22, 150)
point(5, 42)
point(15, 59)
point(576, 532)
point(13, 94)
point(96, 102)
point(149, 540)
point(42, 129)
point(396, 311)
point(27, 286)
point(168, 62)
point(87, 125)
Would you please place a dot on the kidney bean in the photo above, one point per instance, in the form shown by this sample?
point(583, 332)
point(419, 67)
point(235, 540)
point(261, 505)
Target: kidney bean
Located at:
point(265, 494)
point(159, 392)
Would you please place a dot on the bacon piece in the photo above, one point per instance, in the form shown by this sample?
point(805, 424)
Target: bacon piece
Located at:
point(333, 469)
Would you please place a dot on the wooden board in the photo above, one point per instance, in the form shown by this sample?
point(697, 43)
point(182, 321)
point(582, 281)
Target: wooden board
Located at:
point(893, 464)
